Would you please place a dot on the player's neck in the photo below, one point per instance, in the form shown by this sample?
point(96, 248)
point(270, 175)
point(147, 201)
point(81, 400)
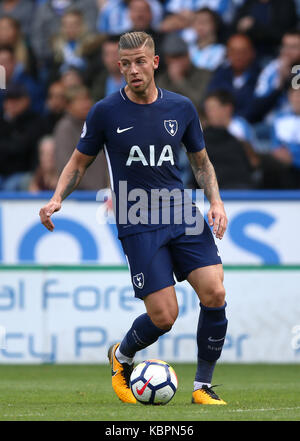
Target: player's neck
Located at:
point(146, 97)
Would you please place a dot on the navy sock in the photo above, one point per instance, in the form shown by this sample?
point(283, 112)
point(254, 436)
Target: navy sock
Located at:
point(211, 334)
point(142, 333)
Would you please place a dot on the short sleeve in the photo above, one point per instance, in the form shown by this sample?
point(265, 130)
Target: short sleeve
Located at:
point(92, 136)
point(193, 138)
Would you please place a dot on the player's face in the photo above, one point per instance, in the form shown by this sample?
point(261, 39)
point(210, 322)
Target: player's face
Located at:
point(138, 66)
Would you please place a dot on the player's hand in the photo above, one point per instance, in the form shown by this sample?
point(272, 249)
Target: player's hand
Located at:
point(217, 218)
point(46, 213)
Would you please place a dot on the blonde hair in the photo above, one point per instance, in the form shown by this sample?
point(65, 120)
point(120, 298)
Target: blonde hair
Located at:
point(134, 40)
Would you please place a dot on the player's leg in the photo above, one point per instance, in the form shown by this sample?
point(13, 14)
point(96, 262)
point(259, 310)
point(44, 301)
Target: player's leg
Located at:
point(211, 331)
point(196, 258)
point(152, 277)
point(162, 311)
point(162, 307)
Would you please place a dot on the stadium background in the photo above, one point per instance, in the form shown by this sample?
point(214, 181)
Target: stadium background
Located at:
point(61, 292)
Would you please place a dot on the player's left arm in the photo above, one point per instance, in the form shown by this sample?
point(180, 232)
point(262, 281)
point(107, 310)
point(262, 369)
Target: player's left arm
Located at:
point(205, 176)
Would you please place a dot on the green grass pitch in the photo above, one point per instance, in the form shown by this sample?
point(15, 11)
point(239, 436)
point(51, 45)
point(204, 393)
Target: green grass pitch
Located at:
point(83, 392)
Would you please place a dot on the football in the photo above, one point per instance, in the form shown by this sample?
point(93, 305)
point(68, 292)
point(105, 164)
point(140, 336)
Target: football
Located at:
point(153, 382)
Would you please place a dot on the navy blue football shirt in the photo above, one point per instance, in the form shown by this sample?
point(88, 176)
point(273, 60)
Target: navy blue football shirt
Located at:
point(142, 143)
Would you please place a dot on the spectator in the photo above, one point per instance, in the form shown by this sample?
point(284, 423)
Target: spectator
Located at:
point(11, 35)
point(238, 74)
point(141, 17)
point(72, 45)
point(15, 74)
point(20, 130)
point(224, 8)
point(20, 10)
point(180, 75)
point(45, 176)
point(233, 164)
point(114, 16)
point(270, 92)
point(180, 12)
point(262, 171)
point(230, 162)
point(67, 133)
point(238, 126)
point(219, 110)
point(47, 22)
point(55, 106)
point(286, 137)
point(110, 79)
point(71, 77)
point(180, 21)
point(266, 21)
point(207, 53)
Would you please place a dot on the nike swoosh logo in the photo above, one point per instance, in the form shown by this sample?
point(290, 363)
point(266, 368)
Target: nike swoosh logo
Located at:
point(142, 390)
point(215, 339)
point(123, 130)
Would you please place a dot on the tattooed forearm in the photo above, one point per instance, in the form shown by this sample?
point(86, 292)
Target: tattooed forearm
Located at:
point(205, 175)
point(71, 175)
point(70, 183)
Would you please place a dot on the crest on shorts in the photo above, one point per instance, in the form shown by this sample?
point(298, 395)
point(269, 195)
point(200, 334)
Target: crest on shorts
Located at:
point(138, 280)
point(171, 126)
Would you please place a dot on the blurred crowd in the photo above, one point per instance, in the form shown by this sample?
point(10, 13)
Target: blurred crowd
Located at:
point(237, 60)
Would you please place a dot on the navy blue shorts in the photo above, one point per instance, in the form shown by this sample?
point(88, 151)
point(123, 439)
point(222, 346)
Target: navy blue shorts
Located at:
point(154, 257)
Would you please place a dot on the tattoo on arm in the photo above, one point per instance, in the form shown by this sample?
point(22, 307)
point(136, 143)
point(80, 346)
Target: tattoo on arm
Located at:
point(72, 180)
point(71, 175)
point(205, 176)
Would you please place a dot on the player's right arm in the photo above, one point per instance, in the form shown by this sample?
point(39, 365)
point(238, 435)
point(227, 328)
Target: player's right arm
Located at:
point(90, 143)
point(67, 183)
